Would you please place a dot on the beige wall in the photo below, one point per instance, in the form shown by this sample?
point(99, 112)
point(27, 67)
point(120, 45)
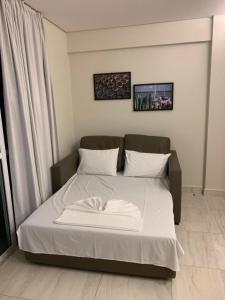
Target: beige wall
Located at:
point(187, 31)
point(60, 75)
point(185, 65)
point(215, 163)
point(174, 51)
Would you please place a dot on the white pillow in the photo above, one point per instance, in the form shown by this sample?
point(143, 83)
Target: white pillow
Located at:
point(141, 164)
point(98, 162)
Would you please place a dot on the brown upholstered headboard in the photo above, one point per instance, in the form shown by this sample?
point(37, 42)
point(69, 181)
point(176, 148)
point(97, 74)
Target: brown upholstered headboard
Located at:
point(135, 142)
point(147, 144)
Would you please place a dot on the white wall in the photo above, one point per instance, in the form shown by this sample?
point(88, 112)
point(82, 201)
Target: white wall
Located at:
point(60, 75)
point(174, 51)
point(185, 64)
point(215, 163)
point(188, 31)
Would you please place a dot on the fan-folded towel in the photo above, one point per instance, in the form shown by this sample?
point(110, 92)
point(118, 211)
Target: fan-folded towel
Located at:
point(94, 212)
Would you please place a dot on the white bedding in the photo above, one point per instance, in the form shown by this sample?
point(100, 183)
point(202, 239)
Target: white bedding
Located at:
point(95, 212)
point(156, 244)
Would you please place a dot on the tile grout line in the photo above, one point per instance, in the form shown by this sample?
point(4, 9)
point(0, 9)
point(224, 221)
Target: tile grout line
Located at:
point(15, 297)
point(193, 231)
point(100, 281)
point(197, 267)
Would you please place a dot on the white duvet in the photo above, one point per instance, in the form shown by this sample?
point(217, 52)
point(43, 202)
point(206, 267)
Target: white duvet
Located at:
point(155, 244)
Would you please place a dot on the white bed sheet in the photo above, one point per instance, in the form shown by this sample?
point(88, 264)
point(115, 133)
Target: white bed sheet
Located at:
point(156, 244)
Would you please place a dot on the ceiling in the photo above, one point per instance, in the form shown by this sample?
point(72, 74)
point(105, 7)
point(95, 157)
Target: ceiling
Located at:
point(75, 15)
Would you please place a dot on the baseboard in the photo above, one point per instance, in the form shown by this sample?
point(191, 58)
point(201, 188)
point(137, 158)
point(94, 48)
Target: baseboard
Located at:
point(205, 192)
point(214, 192)
point(7, 253)
point(192, 189)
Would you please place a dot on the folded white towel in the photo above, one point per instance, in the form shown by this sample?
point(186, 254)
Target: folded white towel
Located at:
point(94, 212)
point(97, 205)
point(92, 204)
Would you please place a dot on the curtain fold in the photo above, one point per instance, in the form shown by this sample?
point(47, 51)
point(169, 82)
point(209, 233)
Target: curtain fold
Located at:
point(29, 106)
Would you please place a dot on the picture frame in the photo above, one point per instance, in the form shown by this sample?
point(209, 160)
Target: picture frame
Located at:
point(112, 86)
point(153, 96)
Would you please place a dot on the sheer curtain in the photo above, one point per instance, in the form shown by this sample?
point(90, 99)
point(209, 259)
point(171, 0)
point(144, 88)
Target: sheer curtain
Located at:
point(29, 108)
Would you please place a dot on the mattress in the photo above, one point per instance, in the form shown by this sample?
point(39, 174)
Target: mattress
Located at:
point(156, 244)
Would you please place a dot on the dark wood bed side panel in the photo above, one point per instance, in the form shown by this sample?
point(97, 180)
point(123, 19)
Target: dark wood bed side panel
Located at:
point(102, 265)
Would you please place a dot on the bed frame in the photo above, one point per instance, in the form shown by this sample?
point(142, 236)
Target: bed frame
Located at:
point(101, 265)
point(66, 168)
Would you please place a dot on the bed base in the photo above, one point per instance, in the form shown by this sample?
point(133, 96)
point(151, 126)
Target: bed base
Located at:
point(102, 265)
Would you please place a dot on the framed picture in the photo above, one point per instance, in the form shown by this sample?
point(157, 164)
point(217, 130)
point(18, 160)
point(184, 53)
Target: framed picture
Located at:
point(109, 86)
point(153, 96)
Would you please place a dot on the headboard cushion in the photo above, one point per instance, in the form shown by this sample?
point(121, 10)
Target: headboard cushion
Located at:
point(103, 143)
point(147, 144)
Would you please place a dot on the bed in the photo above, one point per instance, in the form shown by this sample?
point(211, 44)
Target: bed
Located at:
point(153, 252)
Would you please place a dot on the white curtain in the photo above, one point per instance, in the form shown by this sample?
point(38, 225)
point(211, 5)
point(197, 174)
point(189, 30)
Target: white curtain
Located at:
point(29, 109)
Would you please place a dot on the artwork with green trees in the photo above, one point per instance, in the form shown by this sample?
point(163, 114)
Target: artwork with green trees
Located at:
point(156, 96)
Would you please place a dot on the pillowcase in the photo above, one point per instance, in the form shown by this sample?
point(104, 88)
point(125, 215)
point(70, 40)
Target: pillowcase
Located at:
point(141, 164)
point(98, 162)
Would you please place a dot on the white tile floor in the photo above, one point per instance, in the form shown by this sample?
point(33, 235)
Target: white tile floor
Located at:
point(202, 276)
